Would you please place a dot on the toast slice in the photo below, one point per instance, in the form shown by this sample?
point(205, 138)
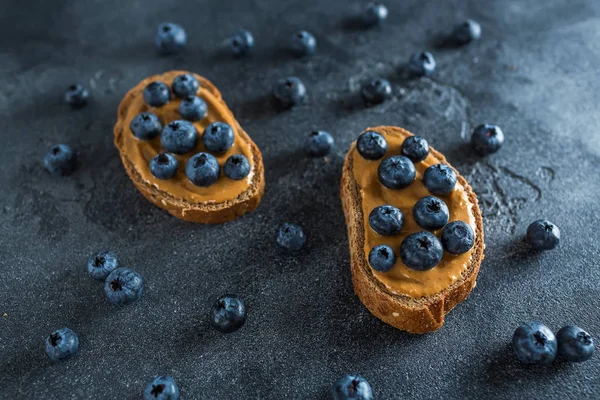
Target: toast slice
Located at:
point(224, 201)
point(415, 314)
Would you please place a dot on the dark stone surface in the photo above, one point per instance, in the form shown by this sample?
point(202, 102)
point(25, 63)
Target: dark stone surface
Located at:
point(534, 72)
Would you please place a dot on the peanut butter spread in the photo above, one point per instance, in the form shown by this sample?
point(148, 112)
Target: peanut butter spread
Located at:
point(401, 279)
point(140, 152)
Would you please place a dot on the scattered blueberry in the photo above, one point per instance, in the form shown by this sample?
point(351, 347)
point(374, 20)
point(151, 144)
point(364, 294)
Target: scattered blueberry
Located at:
point(77, 96)
point(62, 344)
point(421, 64)
point(457, 237)
point(185, 85)
point(101, 264)
point(241, 43)
point(145, 126)
point(487, 139)
point(164, 166)
point(318, 144)
point(396, 172)
point(218, 137)
point(236, 167)
point(291, 237)
point(193, 108)
point(416, 148)
point(228, 314)
point(574, 344)
point(156, 94)
point(386, 220)
point(382, 258)
point(371, 145)
point(376, 91)
point(289, 92)
point(431, 213)
point(467, 32)
point(123, 286)
point(170, 38)
point(543, 235)
point(179, 137)
point(440, 179)
point(534, 343)
point(421, 251)
point(203, 169)
point(350, 387)
point(375, 13)
point(303, 44)
point(60, 160)
point(161, 388)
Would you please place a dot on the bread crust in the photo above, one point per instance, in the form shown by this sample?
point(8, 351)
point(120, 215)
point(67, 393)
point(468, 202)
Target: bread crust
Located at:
point(415, 315)
point(206, 213)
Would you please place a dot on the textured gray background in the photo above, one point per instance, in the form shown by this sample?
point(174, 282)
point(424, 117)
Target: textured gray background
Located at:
point(535, 73)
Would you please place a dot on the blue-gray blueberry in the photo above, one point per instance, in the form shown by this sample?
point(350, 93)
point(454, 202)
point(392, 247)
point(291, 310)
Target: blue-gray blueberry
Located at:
point(101, 264)
point(62, 344)
point(60, 160)
point(421, 251)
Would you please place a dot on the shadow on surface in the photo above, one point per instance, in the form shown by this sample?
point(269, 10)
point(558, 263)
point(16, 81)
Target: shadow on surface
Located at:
point(504, 367)
point(353, 23)
point(258, 107)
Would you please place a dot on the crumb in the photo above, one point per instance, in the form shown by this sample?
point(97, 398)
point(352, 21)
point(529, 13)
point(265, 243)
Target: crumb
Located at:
point(5, 315)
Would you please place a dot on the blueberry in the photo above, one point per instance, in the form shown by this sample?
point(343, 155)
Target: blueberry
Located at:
point(170, 38)
point(289, 92)
point(376, 91)
point(440, 179)
point(145, 126)
point(161, 388)
point(543, 235)
point(458, 237)
point(241, 43)
point(416, 148)
point(534, 343)
point(156, 94)
point(371, 145)
point(466, 32)
point(421, 251)
point(421, 64)
point(185, 85)
point(291, 237)
point(164, 166)
point(62, 344)
point(396, 172)
point(350, 387)
point(236, 167)
point(123, 286)
point(382, 258)
point(431, 213)
point(218, 137)
point(318, 144)
point(193, 108)
point(374, 14)
point(101, 264)
point(228, 314)
point(574, 344)
point(203, 169)
point(179, 137)
point(60, 160)
point(386, 220)
point(303, 44)
point(77, 96)
point(487, 139)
